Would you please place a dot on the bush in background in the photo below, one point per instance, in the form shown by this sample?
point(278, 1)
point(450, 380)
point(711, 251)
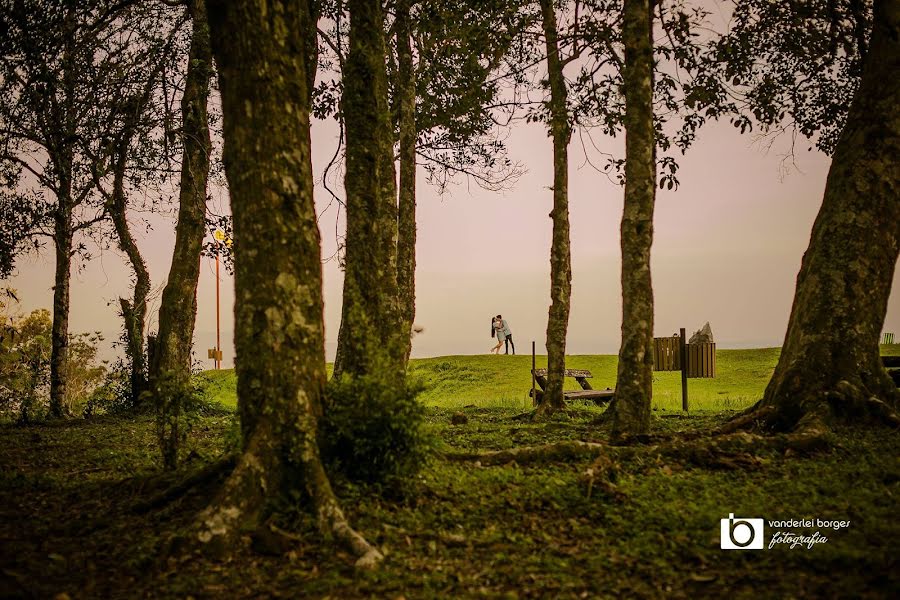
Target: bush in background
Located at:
point(25, 347)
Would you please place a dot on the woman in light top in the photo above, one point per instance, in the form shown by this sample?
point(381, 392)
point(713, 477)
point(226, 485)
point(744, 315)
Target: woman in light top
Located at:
point(497, 332)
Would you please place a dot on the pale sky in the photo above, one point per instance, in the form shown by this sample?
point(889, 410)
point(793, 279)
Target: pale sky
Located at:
point(727, 248)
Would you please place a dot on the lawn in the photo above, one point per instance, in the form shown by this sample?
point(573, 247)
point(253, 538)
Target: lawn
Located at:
point(489, 381)
point(76, 520)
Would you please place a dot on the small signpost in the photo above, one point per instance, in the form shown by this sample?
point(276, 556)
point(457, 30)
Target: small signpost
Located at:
point(216, 353)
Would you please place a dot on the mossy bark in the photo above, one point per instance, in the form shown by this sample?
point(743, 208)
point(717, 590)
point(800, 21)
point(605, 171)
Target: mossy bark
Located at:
point(372, 335)
point(171, 370)
point(63, 228)
point(634, 379)
point(59, 346)
point(261, 49)
point(134, 312)
point(829, 364)
point(560, 250)
point(406, 218)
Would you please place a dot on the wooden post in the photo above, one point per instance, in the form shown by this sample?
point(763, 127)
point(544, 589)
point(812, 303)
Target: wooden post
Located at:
point(533, 367)
point(682, 350)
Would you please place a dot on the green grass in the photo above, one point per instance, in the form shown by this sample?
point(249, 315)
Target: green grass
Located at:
point(69, 490)
point(70, 493)
point(490, 381)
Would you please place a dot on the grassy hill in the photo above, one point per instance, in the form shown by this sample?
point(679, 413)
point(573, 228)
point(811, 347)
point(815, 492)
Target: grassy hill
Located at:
point(489, 381)
point(504, 381)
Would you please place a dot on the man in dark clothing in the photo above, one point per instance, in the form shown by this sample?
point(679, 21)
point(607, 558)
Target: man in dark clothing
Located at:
point(504, 327)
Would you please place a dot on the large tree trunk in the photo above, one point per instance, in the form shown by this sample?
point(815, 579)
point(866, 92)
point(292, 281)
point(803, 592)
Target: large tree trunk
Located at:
point(829, 364)
point(372, 336)
point(261, 50)
point(406, 220)
point(560, 252)
point(59, 350)
point(171, 370)
point(634, 380)
point(134, 312)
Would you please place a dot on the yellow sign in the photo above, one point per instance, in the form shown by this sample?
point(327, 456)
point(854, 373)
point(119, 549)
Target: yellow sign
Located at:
point(219, 235)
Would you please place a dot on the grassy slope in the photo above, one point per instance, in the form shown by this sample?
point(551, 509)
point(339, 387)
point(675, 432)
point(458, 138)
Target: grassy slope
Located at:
point(504, 381)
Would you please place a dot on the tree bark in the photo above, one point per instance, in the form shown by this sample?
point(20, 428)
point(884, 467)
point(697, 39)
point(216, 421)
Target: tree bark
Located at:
point(59, 350)
point(264, 67)
point(372, 335)
point(134, 312)
point(634, 379)
point(63, 228)
point(560, 252)
point(829, 365)
point(406, 220)
point(171, 370)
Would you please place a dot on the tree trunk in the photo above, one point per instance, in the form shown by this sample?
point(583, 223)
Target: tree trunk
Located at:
point(373, 338)
point(59, 351)
point(634, 380)
point(829, 364)
point(560, 252)
point(63, 226)
point(172, 369)
point(406, 220)
point(133, 313)
point(260, 49)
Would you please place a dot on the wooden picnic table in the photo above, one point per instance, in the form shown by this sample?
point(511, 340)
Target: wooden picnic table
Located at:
point(581, 376)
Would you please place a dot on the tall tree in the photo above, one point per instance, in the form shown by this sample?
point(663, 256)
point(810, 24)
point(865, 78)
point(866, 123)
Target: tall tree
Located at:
point(56, 60)
point(444, 102)
point(830, 365)
point(372, 335)
point(171, 369)
point(634, 378)
point(134, 311)
point(262, 51)
point(134, 162)
point(406, 211)
point(560, 252)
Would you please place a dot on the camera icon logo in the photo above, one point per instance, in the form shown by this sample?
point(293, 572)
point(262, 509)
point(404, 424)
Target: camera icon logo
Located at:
point(741, 534)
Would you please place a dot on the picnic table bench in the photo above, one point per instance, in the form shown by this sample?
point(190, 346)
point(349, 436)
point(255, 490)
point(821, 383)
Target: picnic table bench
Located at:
point(581, 376)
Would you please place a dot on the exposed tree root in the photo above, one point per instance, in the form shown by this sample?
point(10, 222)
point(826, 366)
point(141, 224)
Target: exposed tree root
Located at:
point(750, 419)
point(201, 477)
point(732, 451)
point(559, 451)
point(240, 507)
point(813, 414)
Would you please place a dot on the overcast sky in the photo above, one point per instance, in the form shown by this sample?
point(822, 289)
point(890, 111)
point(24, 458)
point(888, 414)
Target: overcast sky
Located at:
point(727, 248)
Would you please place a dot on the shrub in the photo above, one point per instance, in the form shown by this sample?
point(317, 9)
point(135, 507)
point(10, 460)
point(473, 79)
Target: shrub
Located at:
point(113, 395)
point(25, 349)
point(373, 430)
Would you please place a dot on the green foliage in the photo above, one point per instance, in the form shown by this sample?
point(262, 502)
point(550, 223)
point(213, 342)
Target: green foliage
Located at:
point(113, 395)
point(25, 346)
point(796, 65)
point(372, 430)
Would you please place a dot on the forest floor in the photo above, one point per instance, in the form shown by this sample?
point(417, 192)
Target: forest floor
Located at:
point(72, 524)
